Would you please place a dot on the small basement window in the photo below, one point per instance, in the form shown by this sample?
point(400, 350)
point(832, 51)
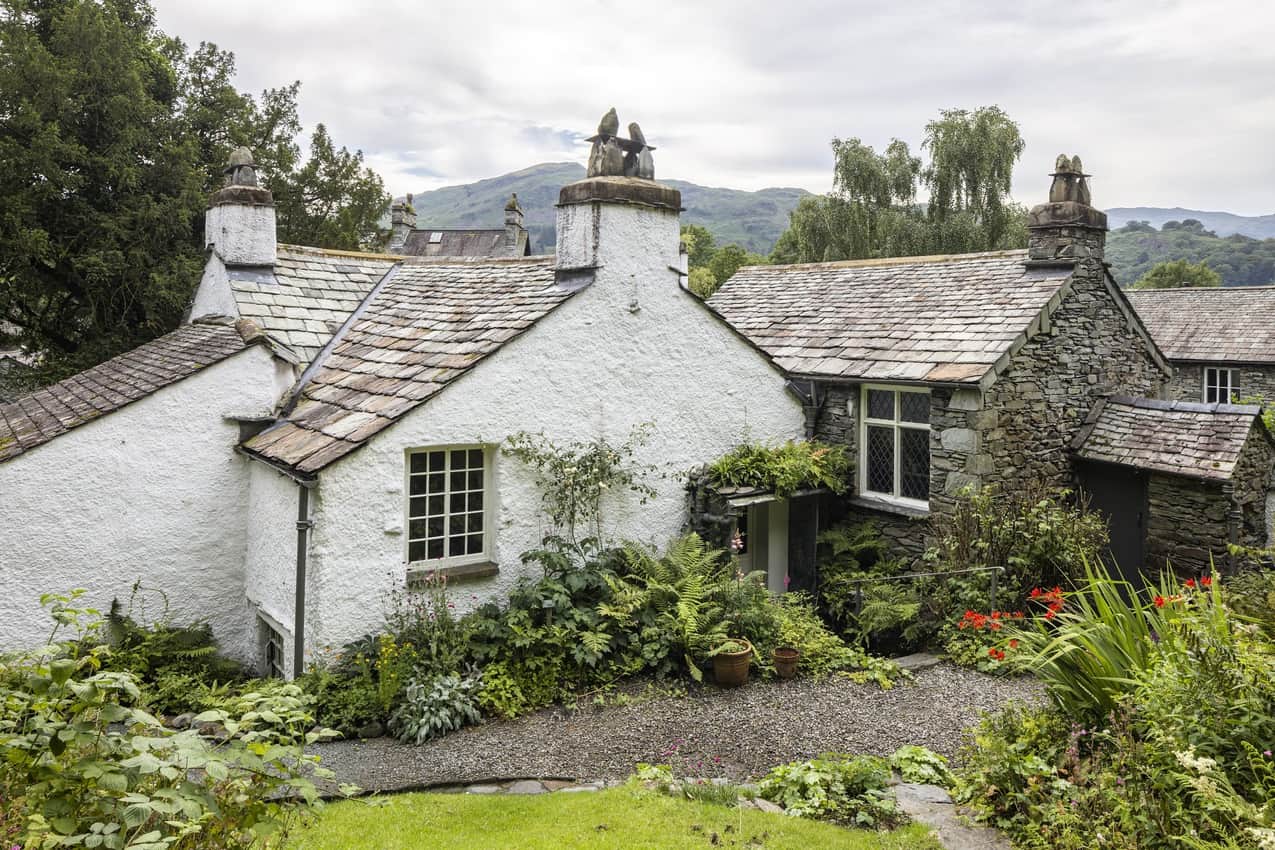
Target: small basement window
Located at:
point(1221, 386)
point(272, 647)
point(894, 444)
point(448, 506)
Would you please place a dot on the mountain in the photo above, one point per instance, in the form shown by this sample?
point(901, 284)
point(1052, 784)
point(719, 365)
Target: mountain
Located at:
point(752, 220)
point(1221, 223)
point(1241, 260)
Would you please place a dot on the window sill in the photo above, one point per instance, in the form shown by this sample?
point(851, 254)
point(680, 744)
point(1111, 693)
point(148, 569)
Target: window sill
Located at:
point(889, 506)
point(458, 572)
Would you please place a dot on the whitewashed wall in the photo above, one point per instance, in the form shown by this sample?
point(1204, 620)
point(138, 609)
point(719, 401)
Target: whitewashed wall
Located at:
point(153, 491)
point(270, 550)
point(595, 367)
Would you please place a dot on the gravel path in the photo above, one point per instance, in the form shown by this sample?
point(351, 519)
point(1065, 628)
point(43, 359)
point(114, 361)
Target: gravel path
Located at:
point(750, 729)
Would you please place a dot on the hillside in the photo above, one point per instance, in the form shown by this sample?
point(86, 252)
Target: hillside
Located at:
point(753, 220)
point(1221, 223)
point(1240, 260)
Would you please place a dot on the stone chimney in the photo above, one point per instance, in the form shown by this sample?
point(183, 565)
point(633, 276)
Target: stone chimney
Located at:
point(513, 227)
point(239, 226)
point(618, 221)
point(1067, 228)
point(402, 223)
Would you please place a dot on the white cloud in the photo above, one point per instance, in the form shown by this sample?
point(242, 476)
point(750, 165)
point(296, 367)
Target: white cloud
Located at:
point(1168, 102)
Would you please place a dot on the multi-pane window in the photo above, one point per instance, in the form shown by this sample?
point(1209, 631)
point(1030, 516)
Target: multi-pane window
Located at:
point(895, 449)
point(1221, 385)
point(272, 644)
point(447, 505)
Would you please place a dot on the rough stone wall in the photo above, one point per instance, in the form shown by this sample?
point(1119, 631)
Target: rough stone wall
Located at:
point(1187, 523)
point(1188, 382)
point(1090, 350)
point(1253, 478)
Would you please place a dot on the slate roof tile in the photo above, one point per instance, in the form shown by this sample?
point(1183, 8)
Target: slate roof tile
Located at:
point(1230, 324)
point(310, 295)
point(1183, 438)
point(34, 419)
point(425, 324)
point(927, 319)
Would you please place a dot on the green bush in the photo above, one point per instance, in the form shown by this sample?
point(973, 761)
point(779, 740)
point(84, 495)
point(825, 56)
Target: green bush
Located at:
point(835, 787)
point(784, 469)
point(97, 771)
point(918, 764)
point(433, 707)
point(343, 700)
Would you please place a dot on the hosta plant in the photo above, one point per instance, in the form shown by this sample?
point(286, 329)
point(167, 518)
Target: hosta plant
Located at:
point(432, 708)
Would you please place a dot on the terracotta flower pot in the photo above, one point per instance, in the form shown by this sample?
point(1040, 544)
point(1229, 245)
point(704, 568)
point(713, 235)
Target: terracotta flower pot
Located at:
point(785, 658)
point(730, 669)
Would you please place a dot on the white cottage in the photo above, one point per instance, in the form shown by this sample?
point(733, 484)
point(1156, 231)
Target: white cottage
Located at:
point(328, 423)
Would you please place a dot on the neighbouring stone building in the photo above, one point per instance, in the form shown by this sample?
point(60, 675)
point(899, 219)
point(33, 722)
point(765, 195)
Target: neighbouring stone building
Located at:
point(328, 423)
point(1221, 341)
point(1205, 473)
point(406, 237)
point(946, 372)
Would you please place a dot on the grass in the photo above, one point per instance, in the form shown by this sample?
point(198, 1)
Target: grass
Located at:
point(614, 818)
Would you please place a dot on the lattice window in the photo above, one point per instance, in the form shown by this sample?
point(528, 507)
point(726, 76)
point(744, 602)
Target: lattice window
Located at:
point(1221, 385)
point(895, 445)
point(272, 650)
point(447, 505)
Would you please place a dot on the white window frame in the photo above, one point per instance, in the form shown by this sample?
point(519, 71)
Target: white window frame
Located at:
point(865, 420)
point(1216, 372)
point(487, 553)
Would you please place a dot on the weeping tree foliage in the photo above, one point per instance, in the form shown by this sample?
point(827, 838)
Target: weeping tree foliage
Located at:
point(873, 209)
point(112, 135)
point(1174, 274)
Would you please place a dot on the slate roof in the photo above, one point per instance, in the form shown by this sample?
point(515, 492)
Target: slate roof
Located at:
point(945, 319)
point(1230, 324)
point(1179, 437)
point(310, 294)
point(34, 419)
point(428, 323)
point(462, 242)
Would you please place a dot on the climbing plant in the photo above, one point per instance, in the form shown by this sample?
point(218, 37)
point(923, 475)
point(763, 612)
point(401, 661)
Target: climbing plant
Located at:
point(573, 478)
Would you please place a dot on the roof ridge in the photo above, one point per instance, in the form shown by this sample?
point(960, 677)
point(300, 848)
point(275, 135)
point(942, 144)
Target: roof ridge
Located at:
point(896, 261)
point(535, 259)
point(1202, 290)
point(336, 252)
point(1186, 406)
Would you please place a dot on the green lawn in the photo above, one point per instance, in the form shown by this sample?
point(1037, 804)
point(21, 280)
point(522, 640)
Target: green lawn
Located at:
point(614, 818)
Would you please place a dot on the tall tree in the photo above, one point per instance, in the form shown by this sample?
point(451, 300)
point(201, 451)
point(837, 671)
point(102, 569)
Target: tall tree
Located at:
point(1176, 274)
point(112, 135)
point(873, 211)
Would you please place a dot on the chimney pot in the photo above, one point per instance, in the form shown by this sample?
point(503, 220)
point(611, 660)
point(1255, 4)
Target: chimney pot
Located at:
point(1068, 227)
point(239, 225)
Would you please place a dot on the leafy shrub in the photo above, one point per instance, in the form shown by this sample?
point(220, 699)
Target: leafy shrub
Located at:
point(1009, 766)
point(834, 787)
point(175, 665)
point(918, 764)
point(98, 771)
point(421, 617)
point(343, 700)
point(784, 469)
point(432, 708)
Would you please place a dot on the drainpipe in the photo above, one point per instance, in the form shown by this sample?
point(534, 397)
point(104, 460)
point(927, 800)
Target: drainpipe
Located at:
point(304, 524)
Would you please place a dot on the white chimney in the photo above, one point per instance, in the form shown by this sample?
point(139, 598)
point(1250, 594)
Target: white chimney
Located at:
point(239, 226)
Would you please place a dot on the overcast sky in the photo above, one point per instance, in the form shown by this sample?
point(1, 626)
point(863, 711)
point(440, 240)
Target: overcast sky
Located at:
point(1168, 103)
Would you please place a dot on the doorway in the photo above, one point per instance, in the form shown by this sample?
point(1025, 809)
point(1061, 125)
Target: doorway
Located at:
point(1119, 495)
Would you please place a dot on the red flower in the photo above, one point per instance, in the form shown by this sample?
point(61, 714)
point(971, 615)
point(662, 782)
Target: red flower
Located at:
point(1013, 644)
point(1036, 591)
point(1189, 583)
point(1207, 581)
point(1050, 614)
point(996, 626)
point(1159, 601)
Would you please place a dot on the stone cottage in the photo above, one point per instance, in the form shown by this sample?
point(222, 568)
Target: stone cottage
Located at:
point(327, 423)
point(946, 372)
point(1220, 341)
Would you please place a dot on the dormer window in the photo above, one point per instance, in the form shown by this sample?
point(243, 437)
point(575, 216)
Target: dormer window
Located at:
point(894, 445)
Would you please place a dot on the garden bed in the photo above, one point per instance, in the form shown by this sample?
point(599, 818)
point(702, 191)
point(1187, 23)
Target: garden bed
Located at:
point(749, 729)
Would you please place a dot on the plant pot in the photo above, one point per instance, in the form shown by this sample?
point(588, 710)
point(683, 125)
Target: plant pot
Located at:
point(730, 669)
point(785, 658)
